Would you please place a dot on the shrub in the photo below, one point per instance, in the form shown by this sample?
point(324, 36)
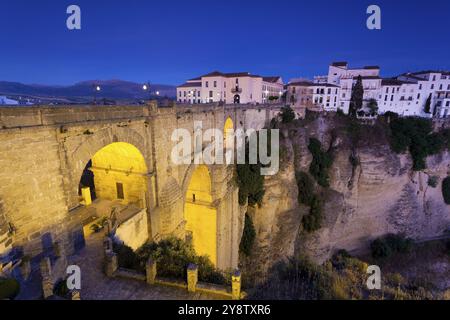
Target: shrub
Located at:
point(446, 190)
point(9, 288)
point(173, 256)
point(433, 181)
point(295, 279)
point(320, 164)
point(248, 237)
point(251, 184)
point(61, 289)
point(398, 243)
point(250, 180)
point(127, 258)
point(305, 188)
point(287, 114)
point(415, 135)
point(313, 221)
point(380, 249)
point(385, 246)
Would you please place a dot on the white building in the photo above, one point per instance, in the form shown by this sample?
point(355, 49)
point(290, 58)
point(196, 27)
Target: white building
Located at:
point(406, 94)
point(313, 96)
point(231, 88)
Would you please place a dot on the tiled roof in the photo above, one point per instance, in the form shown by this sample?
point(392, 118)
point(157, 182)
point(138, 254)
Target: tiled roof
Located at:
point(230, 75)
point(311, 84)
point(340, 64)
point(428, 71)
point(190, 85)
point(271, 79)
point(372, 67)
point(394, 82)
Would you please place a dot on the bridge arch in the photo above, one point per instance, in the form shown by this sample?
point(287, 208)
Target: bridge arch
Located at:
point(130, 141)
point(199, 212)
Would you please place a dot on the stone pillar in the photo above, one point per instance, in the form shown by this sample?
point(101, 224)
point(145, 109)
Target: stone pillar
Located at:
point(192, 277)
point(25, 268)
point(47, 281)
point(236, 285)
point(150, 271)
point(107, 245)
point(111, 264)
point(86, 195)
point(57, 250)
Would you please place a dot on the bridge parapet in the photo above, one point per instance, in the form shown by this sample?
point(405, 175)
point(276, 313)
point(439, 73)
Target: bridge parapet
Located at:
point(14, 117)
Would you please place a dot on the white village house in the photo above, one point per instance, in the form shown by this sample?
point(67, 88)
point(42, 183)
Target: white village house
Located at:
point(238, 88)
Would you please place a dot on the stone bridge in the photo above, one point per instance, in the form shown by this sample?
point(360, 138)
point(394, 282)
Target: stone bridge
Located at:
point(52, 159)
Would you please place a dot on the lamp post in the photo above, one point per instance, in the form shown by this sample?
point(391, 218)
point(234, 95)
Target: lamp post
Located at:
point(146, 88)
point(97, 89)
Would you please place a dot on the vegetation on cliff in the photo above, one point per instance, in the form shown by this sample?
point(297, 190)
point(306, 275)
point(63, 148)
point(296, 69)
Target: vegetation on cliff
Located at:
point(384, 247)
point(320, 163)
point(308, 197)
point(446, 190)
point(416, 136)
point(345, 277)
point(248, 236)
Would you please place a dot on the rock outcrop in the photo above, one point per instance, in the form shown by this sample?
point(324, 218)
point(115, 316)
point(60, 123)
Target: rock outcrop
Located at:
point(379, 195)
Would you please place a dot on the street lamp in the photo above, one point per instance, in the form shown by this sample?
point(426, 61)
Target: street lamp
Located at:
point(97, 89)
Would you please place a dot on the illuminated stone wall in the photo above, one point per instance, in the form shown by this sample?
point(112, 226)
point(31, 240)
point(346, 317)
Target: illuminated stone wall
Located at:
point(120, 163)
point(31, 187)
point(200, 215)
point(133, 232)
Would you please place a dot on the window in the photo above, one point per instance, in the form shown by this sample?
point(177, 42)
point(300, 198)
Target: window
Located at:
point(385, 98)
point(237, 81)
point(420, 86)
point(329, 90)
point(207, 84)
point(440, 87)
point(215, 84)
point(392, 97)
point(210, 94)
point(432, 86)
point(198, 93)
point(387, 90)
point(185, 93)
point(447, 104)
point(418, 96)
point(119, 188)
point(434, 78)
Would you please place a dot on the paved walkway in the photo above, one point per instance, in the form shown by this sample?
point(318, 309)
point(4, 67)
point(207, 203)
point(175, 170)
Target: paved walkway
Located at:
point(96, 286)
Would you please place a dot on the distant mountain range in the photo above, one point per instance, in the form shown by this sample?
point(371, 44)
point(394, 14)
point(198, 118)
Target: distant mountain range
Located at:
point(117, 90)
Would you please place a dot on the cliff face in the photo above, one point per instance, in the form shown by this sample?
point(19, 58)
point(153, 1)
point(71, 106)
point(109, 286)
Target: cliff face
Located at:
point(378, 196)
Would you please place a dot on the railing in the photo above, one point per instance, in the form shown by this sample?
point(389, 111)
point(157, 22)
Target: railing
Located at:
point(236, 90)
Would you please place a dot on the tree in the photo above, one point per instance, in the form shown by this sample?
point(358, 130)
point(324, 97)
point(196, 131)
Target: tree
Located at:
point(427, 107)
point(446, 190)
point(287, 114)
point(356, 101)
point(248, 237)
point(373, 107)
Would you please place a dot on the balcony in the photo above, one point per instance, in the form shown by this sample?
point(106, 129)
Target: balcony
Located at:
point(236, 90)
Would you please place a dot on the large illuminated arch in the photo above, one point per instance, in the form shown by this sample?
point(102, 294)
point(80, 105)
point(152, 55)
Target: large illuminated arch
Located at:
point(200, 215)
point(119, 173)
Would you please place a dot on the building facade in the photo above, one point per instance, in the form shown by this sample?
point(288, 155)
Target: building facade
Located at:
point(231, 88)
point(406, 94)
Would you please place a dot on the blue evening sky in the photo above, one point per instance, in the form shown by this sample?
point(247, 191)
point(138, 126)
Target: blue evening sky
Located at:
point(170, 41)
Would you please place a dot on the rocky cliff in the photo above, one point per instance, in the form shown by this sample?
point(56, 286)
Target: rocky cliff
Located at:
point(379, 195)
